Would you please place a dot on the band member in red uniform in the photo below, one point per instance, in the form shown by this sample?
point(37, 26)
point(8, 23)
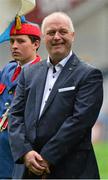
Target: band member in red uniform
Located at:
point(24, 43)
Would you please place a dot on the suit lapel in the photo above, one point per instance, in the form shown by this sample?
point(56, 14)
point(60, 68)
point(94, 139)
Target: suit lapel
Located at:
point(40, 87)
point(67, 70)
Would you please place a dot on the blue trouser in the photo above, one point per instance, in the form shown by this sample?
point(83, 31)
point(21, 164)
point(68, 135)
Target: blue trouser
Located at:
point(6, 160)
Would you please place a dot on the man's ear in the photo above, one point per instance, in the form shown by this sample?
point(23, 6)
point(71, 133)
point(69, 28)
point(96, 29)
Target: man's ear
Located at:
point(37, 44)
point(73, 36)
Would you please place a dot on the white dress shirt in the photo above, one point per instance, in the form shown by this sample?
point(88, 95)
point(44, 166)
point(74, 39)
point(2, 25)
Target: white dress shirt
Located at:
point(51, 78)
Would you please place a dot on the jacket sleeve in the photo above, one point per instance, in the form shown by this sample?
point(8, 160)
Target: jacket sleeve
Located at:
point(73, 131)
point(18, 142)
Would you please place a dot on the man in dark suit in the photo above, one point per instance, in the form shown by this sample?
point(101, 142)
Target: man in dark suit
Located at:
point(56, 105)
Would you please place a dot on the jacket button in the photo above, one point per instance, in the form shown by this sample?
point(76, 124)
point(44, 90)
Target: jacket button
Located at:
point(7, 104)
point(10, 92)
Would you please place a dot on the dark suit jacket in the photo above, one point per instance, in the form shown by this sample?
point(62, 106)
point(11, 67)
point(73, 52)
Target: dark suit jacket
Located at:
point(62, 135)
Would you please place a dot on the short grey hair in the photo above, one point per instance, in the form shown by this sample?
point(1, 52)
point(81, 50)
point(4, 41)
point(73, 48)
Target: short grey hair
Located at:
point(57, 14)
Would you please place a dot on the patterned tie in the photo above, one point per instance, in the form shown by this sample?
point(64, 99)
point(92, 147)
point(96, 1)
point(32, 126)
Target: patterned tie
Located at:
point(16, 73)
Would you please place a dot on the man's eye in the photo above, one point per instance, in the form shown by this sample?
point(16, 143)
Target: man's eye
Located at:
point(63, 32)
point(11, 41)
point(21, 41)
point(51, 33)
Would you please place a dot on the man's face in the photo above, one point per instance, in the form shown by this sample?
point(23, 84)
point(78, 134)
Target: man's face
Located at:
point(22, 48)
point(58, 38)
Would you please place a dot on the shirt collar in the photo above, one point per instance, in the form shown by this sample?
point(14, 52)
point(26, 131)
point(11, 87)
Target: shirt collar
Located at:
point(26, 64)
point(61, 63)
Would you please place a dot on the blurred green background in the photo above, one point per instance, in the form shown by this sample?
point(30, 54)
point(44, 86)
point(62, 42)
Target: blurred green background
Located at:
point(101, 151)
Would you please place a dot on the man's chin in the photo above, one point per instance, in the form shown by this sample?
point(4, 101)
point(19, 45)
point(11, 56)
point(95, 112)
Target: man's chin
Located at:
point(16, 58)
point(57, 53)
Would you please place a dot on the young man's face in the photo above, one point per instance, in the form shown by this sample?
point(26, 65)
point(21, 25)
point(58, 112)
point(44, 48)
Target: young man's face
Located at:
point(22, 48)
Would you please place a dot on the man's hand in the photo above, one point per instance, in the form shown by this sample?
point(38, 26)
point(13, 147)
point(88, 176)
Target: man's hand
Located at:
point(35, 163)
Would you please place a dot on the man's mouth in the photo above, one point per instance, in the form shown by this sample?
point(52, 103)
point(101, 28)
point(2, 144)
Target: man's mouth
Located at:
point(15, 53)
point(58, 45)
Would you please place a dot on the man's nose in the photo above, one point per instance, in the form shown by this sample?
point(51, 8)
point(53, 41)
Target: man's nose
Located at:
point(15, 44)
point(57, 35)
